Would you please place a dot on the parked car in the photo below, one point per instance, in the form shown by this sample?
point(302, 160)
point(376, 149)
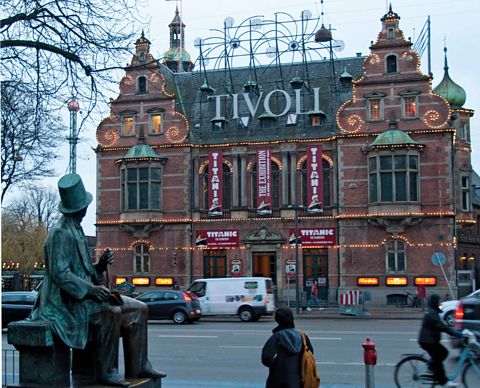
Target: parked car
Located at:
point(169, 304)
point(467, 316)
point(17, 305)
point(449, 306)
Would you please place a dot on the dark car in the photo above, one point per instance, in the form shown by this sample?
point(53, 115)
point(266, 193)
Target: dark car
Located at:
point(467, 316)
point(17, 305)
point(168, 304)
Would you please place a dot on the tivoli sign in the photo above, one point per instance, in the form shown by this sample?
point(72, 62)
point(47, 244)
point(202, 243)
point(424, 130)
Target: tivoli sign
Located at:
point(253, 108)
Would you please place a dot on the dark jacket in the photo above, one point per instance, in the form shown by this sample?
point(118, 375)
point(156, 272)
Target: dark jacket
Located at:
point(282, 354)
point(432, 325)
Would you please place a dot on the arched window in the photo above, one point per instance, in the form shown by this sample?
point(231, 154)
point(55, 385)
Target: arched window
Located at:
point(275, 186)
point(141, 258)
point(327, 175)
point(226, 188)
point(396, 256)
point(391, 64)
point(142, 85)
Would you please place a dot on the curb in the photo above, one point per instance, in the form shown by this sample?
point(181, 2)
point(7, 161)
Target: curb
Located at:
point(377, 313)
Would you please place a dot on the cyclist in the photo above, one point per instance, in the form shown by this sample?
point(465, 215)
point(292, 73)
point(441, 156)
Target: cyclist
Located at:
point(429, 340)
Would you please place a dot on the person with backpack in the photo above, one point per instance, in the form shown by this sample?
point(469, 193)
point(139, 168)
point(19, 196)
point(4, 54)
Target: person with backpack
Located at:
point(314, 297)
point(287, 353)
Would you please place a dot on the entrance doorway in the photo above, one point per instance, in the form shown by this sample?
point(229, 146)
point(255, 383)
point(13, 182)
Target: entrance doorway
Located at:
point(264, 264)
point(315, 267)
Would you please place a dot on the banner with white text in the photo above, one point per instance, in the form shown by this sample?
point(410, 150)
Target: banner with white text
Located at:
point(217, 238)
point(314, 180)
point(215, 180)
point(264, 182)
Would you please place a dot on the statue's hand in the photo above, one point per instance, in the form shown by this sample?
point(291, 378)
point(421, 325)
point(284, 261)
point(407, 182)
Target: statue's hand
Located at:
point(99, 293)
point(105, 259)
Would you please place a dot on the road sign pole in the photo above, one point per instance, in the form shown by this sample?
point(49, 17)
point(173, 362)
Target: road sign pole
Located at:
point(444, 274)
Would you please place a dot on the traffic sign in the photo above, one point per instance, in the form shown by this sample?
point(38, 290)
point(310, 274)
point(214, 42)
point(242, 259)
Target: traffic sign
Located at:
point(438, 259)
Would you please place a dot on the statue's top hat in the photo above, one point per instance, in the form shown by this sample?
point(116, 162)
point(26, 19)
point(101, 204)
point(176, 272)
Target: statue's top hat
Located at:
point(73, 195)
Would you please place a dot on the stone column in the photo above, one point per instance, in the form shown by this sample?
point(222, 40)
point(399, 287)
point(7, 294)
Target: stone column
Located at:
point(196, 183)
point(293, 177)
point(235, 180)
point(284, 179)
point(243, 178)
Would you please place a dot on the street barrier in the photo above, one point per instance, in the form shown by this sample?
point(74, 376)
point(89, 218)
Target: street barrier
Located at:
point(352, 303)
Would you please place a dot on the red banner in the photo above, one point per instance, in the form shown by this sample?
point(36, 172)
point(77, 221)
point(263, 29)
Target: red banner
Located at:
point(314, 237)
point(215, 180)
point(217, 238)
point(314, 180)
point(264, 182)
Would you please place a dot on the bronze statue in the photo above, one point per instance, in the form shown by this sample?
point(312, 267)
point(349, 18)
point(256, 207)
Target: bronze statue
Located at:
point(74, 299)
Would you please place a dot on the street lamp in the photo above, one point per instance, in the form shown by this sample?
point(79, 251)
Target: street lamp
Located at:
point(295, 234)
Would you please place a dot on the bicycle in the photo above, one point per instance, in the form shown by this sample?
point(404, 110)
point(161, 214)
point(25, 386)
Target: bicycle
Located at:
point(412, 370)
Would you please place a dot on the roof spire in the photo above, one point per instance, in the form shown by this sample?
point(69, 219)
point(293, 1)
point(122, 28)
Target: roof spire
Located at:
point(445, 67)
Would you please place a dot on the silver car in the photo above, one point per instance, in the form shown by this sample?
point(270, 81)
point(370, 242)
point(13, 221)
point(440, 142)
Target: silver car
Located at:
point(450, 306)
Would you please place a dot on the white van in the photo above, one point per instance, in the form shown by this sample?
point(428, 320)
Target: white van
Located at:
point(249, 298)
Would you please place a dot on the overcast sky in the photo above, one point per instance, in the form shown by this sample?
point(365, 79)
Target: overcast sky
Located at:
point(356, 22)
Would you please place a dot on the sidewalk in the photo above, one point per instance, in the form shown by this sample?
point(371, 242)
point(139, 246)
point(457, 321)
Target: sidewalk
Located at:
point(370, 313)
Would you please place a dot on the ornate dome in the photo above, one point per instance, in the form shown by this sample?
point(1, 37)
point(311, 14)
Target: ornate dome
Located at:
point(452, 92)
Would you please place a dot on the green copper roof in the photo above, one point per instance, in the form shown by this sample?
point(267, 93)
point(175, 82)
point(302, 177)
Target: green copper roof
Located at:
point(452, 92)
point(141, 151)
point(393, 137)
point(174, 54)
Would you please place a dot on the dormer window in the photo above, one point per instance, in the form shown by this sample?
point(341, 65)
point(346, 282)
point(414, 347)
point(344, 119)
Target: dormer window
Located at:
point(317, 118)
point(267, 120)
point(291, 119)
point(142, 85)
point(218, 123)
point(391, 64)
point(390, 33)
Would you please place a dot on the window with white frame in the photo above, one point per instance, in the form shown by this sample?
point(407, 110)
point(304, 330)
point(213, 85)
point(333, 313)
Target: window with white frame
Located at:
point(127, 125)
point(396, 257)
point(375, 109)
point(409, 107)
point(141, 258)
point(393, 178)
point(465, 193)
point(465, 131)
point(141, 188)
point(156, 124)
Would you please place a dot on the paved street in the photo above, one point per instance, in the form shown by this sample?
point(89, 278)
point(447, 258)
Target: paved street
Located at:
point(226, 352)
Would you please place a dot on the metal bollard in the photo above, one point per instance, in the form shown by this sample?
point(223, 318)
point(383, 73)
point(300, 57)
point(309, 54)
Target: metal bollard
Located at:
point(370, 360)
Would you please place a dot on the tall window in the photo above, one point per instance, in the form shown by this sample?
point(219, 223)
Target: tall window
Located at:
point(141, 188)
point(391, 64)
point(465, 193)
point(390, 33)
point(141, 258)
point(465, 131)
point(142, 85)
point(127, 126)
point(156, 124)
point(410, 107)
point(375, 109)
point(326, 172)
point(393, 178)
point(275, 185)
point(214, 264)
point(396, 256)
point(226, 188)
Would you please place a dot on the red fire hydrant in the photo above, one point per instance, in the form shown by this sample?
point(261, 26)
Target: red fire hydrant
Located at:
point(370, 360)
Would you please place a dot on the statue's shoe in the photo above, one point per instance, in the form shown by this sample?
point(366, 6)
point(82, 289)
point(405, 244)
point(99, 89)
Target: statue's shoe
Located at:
point(113, 380)
point(152, 373)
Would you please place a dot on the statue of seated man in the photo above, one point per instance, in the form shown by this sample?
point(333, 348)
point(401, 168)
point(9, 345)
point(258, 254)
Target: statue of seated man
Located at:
point(74, 299)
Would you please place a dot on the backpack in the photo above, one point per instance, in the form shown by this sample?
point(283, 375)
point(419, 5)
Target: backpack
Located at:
point(310, 376)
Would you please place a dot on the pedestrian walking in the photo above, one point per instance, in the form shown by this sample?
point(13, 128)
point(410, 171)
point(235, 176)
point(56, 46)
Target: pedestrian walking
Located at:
point(422, 296)
point(314, 297)
point(282, 353)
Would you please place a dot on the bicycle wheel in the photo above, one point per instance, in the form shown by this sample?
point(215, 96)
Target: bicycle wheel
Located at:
point(471, 374)
point(411, 371)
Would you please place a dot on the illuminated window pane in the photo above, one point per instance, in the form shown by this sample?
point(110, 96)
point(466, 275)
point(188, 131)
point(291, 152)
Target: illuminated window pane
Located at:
point(374, 109)
point(156, 124)
point(127, 126)
point(409, 107)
